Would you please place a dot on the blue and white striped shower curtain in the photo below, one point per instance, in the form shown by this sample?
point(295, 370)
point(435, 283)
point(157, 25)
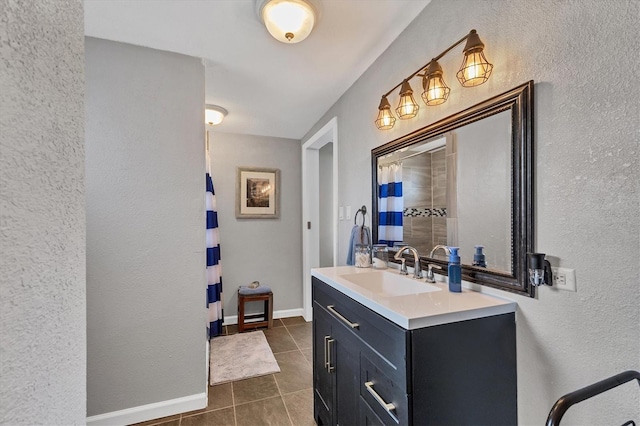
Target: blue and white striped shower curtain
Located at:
point(390, 204)
point(215, 315)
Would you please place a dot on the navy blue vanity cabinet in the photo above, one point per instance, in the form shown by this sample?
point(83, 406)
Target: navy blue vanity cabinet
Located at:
point(333, 347)
point(356, 343)
point(368, 370)
point(323, 376)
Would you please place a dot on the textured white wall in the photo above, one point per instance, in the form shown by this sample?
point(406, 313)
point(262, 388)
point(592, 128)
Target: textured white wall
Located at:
point(266, 250)
point(145, 147)
point(581, 56)
point(42, 225)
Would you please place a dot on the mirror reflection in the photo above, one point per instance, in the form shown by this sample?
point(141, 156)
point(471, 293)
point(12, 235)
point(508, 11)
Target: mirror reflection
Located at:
point(456, 191)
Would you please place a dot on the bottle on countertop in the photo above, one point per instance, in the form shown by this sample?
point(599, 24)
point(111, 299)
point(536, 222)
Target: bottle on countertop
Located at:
point(478, 258)
point(455, 271)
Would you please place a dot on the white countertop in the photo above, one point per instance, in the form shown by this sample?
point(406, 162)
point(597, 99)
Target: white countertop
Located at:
point(413, 311)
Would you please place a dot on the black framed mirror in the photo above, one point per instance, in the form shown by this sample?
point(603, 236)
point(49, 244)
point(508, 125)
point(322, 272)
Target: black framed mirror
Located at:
point(466, 181)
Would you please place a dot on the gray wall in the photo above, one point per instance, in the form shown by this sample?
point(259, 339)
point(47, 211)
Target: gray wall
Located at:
point(266, 250)
point(145, 226)
point(42, 230)
point(325, 201)
point(587, 175)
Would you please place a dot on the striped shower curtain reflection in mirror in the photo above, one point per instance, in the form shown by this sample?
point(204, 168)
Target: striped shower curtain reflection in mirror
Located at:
point(390, 204)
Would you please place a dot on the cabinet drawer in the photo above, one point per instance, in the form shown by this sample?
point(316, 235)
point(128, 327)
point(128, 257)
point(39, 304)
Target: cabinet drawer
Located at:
point(385, 338)
point(366, 416)
point(385, 395)
point(321, 412)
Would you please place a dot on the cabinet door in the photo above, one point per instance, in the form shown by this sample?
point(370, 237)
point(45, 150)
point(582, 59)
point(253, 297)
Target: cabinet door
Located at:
point(347, 356)
point(465, 373)
point(323, 370)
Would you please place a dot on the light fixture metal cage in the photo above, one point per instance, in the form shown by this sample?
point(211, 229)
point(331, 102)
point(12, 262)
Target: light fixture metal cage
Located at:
point(475, 70)
point(436, 90)
point(407, 107)
point(385, 119)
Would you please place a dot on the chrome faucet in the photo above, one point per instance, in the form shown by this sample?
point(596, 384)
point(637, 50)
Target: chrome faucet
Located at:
point(430, 278)
point(431, 266)
point(440, 246)
point(416, 261)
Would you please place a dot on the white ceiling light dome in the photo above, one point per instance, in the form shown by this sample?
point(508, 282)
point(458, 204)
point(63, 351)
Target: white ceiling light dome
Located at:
point(288, 21)
point(214, 114)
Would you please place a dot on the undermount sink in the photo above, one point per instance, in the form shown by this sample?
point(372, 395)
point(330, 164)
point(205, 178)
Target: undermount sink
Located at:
point(387, 284)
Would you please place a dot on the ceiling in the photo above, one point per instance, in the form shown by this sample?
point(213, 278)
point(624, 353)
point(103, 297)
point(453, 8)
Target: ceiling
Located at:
point(268, 87)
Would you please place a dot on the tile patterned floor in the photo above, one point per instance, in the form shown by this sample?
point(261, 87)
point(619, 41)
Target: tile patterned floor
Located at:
point(284, 398)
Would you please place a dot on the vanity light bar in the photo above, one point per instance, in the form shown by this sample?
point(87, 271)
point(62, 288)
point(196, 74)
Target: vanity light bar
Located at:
point(475, 70)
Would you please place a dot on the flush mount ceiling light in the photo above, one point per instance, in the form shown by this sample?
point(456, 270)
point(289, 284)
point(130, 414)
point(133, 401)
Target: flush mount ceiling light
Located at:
point(288, 21)
point(214, 114)
point(475, 70)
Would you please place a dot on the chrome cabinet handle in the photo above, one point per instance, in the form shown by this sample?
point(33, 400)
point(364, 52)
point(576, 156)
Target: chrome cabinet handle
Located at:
point(330, 367)
point(326, 351)
point(346, 321)
point(386, 405)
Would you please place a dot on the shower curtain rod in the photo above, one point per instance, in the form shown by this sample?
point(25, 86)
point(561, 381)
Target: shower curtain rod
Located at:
point(401, 159)
point(409, 156)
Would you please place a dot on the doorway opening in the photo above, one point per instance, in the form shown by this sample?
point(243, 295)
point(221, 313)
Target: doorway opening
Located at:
point(319, 205)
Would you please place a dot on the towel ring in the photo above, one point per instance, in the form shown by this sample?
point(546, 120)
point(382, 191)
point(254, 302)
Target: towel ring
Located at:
point(362, 210)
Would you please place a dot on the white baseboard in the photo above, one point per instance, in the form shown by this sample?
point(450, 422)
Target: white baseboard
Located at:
point(231, 320)
point(150, 411)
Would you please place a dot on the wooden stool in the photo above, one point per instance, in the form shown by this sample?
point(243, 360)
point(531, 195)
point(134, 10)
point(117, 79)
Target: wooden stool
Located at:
point(246, 294)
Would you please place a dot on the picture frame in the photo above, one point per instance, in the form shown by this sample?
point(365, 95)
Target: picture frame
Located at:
point(257, 193)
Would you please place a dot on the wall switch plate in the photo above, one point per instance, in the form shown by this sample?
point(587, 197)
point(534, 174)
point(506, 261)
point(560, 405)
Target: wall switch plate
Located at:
point(564, 278)
point(341, 212)
point(348, 212)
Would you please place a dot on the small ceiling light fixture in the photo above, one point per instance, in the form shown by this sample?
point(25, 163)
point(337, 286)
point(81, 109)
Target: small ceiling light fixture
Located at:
point(407, 107)
point(288, 21)
point(385, 119)
point(474, 71)
point(214, 114)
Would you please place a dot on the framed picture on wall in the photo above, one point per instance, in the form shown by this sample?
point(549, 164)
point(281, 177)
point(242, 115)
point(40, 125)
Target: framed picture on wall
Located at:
point(257, 193)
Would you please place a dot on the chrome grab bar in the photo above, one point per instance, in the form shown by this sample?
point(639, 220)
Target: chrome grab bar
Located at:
point(386, 405)
point(346, 321)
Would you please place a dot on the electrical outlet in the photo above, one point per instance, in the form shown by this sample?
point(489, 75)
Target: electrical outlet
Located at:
point(564, 278)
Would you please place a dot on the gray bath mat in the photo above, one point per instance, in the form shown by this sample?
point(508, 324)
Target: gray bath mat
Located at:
point(240, 356)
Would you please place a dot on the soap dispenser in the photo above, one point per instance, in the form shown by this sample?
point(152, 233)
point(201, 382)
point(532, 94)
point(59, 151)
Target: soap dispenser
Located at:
point(478, 258)
point(455, 271)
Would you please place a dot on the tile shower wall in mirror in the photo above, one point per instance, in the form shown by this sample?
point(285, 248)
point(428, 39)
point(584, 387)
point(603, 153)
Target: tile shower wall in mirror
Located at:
point(425, 200)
